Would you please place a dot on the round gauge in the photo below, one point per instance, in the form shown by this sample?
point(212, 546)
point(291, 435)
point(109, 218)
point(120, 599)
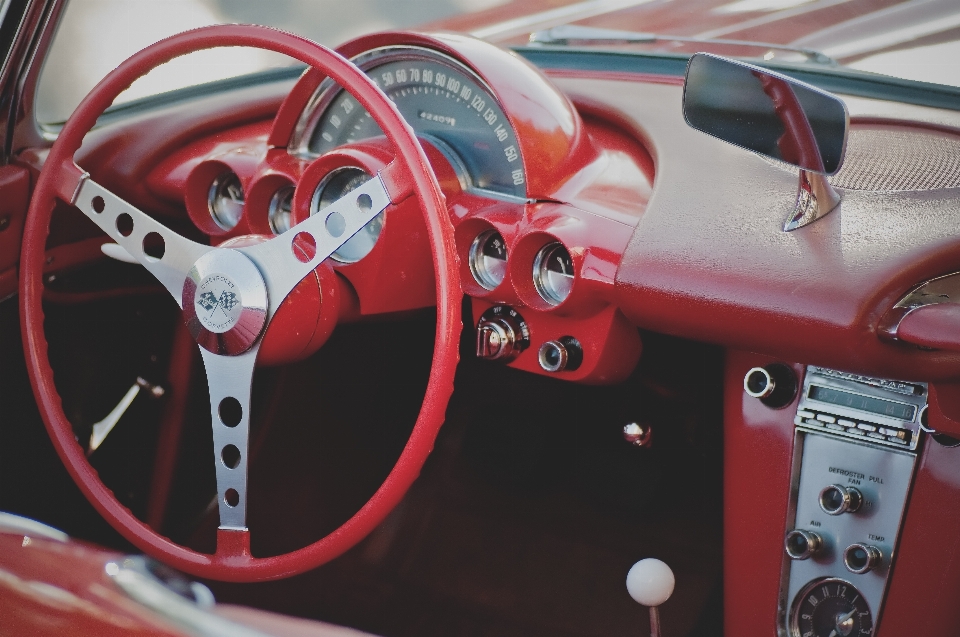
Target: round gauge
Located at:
point(443, 101)
point(488, 259)
point(335, 185)
point(830, 607)
point(280, 211)
point(225, 200)
point(553, 273)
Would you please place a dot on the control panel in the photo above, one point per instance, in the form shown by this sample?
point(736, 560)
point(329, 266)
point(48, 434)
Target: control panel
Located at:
point(854, 455)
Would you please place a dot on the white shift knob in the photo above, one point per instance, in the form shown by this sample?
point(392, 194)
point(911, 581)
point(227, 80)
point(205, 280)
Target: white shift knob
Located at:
point(650, 582)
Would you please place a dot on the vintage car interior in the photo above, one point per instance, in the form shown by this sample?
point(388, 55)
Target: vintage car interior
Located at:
point(477, 324)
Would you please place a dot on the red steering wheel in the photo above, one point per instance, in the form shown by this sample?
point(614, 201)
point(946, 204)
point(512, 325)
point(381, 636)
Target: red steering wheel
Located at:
point(229, 296)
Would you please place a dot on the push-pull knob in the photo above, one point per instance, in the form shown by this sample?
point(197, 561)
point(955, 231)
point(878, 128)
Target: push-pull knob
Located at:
point(565, 353)
point(837, 499)
point(801, 545)
point(774, 385)
point(650, 582)
point(862, 558)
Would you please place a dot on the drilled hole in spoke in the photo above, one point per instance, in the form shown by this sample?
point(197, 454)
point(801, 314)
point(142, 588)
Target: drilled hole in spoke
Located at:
point(230, 411)
point(154, 246)
point(231, 497)
point(336, 224)
point(304, 247)
point(230, 456)
point(98, 204)
point(125, 224)
point(364, 203)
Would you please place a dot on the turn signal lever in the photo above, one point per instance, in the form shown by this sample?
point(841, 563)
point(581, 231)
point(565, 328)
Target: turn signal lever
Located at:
point(650, 582)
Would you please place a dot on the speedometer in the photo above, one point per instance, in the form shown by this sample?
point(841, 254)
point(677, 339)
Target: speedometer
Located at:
point(443, 101)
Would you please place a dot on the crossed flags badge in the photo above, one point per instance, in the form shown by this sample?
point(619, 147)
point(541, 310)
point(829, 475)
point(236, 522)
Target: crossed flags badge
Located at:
point(209, 301)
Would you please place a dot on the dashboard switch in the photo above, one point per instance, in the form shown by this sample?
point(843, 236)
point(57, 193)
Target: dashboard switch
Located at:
point(563, 354)
point(501, 334)
point(862, 558)
point(837, 499)
point(774, 385)
point(800, 544)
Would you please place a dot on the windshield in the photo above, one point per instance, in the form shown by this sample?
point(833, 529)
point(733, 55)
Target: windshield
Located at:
point(909, 39)
point(94, 36)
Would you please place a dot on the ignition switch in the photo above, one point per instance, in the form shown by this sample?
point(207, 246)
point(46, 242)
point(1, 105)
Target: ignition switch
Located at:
point(501, 334)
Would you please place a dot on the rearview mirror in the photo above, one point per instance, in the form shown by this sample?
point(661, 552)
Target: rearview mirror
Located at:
point(765, 112)
point(773, 115)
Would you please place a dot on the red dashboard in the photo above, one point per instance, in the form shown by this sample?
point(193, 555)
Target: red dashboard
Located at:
point(654, 226)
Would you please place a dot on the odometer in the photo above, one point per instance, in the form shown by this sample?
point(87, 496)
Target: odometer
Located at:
point(444, 102)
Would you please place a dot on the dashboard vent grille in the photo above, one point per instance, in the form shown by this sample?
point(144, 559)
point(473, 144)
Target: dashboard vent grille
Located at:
point(885, 158)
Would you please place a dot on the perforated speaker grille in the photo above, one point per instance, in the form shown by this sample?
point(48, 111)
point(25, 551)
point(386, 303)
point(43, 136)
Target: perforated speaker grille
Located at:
point(899, 158)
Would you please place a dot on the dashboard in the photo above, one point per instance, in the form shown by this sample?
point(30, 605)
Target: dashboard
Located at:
point(584, 208)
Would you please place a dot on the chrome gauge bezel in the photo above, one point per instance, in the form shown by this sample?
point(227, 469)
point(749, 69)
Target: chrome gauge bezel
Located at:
point(328, 89)
point(809, 588)
point(472, 171)
point(544, 280)
point(281, 219)
point(476, 260)
point(218, 193)
point(339, 256)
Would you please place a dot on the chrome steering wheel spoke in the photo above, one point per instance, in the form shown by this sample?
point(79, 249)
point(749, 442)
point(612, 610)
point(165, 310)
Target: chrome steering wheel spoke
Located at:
point(229, 379)
point(163, 252)
point(287, 258)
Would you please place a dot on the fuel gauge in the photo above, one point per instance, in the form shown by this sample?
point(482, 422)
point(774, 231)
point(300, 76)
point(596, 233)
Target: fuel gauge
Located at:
point(488, 259)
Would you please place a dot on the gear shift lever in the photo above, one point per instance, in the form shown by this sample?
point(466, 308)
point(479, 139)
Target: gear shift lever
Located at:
point(650, 582)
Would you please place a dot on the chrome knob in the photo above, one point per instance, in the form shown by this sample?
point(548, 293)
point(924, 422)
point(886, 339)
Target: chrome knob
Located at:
point(758, 383)
point(837, 499)
point(800, 544)
point(775, 385)
point(638, 434)
point(862, 558)
point(564, 353)
point(501, 334)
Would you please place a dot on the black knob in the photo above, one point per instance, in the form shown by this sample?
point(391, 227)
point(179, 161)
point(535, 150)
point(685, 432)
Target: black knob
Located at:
point(775, 385)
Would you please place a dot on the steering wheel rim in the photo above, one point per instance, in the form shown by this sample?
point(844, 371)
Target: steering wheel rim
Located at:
point(61, 178)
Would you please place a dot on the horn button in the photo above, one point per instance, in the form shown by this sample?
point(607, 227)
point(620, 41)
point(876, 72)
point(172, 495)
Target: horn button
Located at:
point(225, 302)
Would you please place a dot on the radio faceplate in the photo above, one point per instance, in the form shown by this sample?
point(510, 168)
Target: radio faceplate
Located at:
point(851, 473)
point(879, 411)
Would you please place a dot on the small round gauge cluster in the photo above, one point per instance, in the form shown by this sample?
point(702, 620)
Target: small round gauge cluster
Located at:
point(334, 186)
point(553, 273)
point(488, 259)
point(280, 212)
point(830, 607)
point(225, 200)
point(549, 272)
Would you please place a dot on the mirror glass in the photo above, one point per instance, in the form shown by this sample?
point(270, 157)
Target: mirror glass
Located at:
point(765, 112)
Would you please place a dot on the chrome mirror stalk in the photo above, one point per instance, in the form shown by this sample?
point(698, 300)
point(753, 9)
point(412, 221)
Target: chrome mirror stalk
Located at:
point(816, 198)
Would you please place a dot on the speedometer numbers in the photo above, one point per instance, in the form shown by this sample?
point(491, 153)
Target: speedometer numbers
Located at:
point(830, 607)
point(445, 103)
